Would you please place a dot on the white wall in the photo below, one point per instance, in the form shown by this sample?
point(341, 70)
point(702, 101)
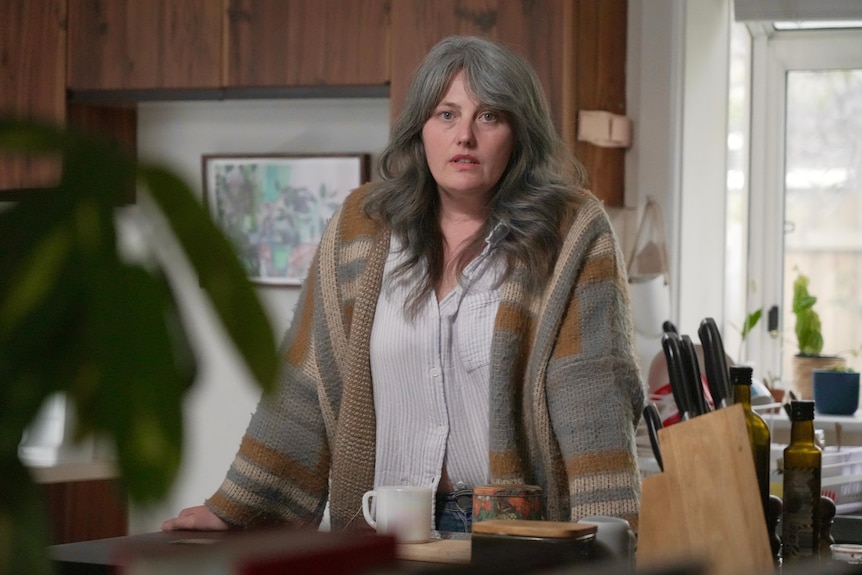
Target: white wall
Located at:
point(703, 198)
point(654, 90)
point(677, 72)
point(218, 408)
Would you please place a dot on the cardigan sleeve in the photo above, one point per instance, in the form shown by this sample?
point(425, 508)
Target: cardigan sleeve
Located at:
point(279, 475)
point(594, 391)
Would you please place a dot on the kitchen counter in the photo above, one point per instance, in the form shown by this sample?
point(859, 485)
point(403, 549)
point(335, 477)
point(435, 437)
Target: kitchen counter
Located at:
point(84, 499)
point(74, 471)
point(839, 429)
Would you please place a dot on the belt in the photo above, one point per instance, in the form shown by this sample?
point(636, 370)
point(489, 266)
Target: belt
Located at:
point(462, 497)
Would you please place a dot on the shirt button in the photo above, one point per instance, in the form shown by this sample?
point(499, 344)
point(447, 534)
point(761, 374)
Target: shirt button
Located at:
point(435, 372)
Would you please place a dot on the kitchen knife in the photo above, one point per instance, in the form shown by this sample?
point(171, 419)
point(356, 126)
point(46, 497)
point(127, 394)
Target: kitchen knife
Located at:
point(715, 363)
point(653, 424)
point(692, 369)
point(679, 389)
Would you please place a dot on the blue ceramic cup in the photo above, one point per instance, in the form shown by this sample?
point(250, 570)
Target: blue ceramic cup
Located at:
point(835, 392)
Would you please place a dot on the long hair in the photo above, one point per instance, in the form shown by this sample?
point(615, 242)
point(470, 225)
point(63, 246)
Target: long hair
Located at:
point(534, 194)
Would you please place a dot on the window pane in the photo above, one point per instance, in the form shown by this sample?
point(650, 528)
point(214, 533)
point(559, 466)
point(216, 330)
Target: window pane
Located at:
point(736, 246)
point(823, 205)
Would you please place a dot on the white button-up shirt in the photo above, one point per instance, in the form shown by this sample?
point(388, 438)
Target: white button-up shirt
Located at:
point(431, 377)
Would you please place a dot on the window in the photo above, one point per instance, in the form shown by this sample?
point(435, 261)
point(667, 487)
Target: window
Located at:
point(804, 189)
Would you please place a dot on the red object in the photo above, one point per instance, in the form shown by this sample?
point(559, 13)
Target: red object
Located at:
point(266, 552)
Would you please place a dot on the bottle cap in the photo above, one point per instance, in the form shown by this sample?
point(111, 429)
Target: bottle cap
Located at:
point(740, 375)
point(801, 410)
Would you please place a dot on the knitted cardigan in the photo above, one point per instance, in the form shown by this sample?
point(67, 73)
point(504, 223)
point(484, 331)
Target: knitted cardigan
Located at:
point(566, 394)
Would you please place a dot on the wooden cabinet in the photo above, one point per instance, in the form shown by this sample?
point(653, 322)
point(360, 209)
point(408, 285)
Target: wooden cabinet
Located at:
point(599, 83)
point(210, 44)
point(152, 44)
point(278, 43)
point(532, 27)
point(577, 47)
point(85, 510)
point(32, 80)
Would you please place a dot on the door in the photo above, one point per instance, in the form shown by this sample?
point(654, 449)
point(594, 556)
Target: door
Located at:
point(806, 190)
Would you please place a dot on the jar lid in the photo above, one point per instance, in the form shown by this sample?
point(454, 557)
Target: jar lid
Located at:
point(507, 490)
point(542, 529)
point(801, 410)
point(740, 374)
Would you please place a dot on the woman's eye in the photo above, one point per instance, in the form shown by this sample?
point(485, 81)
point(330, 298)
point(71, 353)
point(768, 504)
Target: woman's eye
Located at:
point(446, 115)
point(488, 117)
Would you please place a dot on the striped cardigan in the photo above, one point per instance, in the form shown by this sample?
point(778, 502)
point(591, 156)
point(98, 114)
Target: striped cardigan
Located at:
point(565, 388)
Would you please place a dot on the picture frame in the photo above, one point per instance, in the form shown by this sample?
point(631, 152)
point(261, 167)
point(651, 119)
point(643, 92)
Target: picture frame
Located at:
point(274, 207)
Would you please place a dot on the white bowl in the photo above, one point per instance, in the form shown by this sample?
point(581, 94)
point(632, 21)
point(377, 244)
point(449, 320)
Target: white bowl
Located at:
point(847, 553)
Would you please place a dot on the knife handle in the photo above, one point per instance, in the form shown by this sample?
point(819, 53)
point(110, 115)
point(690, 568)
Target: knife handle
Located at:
point(721, 359)
point(689, 353)
point(715, 366)
point(653, 424)
point(670, 345)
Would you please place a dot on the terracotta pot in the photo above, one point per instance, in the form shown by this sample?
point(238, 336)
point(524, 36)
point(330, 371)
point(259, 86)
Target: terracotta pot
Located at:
point(803, 368)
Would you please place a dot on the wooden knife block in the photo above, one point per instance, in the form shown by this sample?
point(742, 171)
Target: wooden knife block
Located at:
point(705, 506)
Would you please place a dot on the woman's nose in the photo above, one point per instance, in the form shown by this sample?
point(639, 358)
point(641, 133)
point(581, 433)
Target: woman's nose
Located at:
point(465, 134)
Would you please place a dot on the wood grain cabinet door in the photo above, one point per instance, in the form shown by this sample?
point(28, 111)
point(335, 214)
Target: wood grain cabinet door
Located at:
point(145, 44)
point(32, 80)
point(289, 43)
point(533, 28)
point(599, 57)
point(576, 46)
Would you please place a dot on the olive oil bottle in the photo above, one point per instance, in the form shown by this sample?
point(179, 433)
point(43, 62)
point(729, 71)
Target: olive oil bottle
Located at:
point(800, 519)
point(758, 431)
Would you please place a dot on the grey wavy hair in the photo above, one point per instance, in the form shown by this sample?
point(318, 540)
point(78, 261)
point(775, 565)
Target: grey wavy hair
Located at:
point(534, 195)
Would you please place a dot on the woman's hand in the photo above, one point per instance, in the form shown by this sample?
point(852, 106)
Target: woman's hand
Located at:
point(198, 518)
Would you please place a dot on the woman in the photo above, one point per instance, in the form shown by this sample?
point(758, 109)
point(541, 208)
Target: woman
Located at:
point(465, 322)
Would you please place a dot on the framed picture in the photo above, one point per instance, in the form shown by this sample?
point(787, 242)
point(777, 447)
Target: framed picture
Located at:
point(274, 207)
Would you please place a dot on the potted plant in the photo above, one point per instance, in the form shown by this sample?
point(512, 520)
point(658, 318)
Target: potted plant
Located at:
point(78, 317)
point(809, 338)
point(836, 390)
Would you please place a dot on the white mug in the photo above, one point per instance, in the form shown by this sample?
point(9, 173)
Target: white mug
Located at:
point(614, 538)
point(401, 510)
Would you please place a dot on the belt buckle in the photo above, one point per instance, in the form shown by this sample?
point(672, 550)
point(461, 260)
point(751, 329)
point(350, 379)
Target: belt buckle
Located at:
point(464, 499)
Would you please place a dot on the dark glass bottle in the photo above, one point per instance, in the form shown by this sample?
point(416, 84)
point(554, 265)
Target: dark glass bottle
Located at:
point(800, 520)
point(758, 431)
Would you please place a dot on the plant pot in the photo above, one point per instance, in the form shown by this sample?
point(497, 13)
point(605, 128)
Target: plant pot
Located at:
point(803, 368)
point(836, 392)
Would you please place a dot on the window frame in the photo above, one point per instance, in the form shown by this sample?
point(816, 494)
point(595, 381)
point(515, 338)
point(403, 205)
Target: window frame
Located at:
point(774, 54)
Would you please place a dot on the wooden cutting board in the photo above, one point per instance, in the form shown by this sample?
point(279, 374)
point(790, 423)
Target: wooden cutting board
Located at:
point(436, 551)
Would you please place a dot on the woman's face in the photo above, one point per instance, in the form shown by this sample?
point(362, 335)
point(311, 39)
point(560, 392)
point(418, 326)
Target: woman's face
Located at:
point(467, 146)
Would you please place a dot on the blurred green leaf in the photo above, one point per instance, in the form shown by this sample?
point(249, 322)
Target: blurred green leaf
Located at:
point(751, 321)
point(136, 385)
point(75, 317)
point(220, 273)
point(23, 529)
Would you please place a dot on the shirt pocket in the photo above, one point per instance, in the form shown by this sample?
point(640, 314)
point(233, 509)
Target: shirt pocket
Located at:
point(475, 329)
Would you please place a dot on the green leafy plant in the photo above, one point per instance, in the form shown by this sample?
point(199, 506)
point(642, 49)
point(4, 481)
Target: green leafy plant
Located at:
point(750, 322)
point(808, 331)
point(76, 317)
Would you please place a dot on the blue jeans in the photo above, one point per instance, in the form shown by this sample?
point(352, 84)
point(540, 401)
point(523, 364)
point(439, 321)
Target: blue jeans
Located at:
point(453, 512)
